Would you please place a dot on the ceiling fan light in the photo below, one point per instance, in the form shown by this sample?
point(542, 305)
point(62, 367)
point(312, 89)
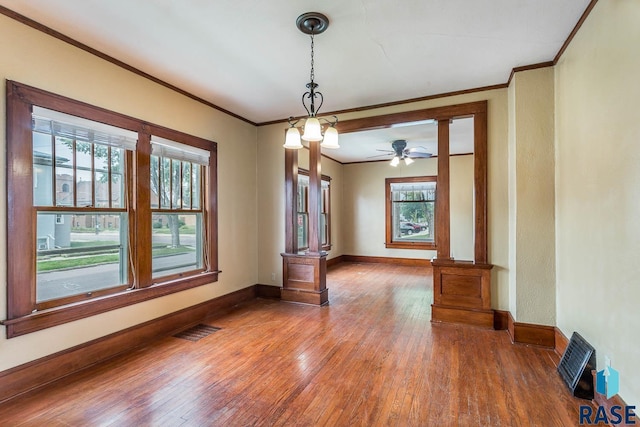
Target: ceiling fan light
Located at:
point(330, 138)
point(292, 140)
point(312, 130)
point(395, 161)
point(408, 161)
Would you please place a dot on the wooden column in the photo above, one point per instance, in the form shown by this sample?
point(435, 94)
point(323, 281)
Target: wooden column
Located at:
point(304, 275)
point(462, 289)
point(480, 185)
point(290, 194)
point(143, 229)
point(315, 194)
point(443, 221)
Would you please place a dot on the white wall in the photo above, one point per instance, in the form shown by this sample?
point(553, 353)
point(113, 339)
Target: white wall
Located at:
point(35, 59)
point(598, 188)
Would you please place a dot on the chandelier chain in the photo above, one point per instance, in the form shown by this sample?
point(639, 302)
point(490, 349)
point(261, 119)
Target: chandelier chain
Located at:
point(312, 72)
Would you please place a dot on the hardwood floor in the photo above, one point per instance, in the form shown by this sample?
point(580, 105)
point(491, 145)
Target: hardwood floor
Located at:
point(371, 357)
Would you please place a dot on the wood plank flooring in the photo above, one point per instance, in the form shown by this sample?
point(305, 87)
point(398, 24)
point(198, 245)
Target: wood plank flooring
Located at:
point(370, 358)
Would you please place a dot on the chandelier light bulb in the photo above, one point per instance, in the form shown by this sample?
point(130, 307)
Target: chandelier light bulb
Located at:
point(312, 130)
point(330, 138)
point(292, 140)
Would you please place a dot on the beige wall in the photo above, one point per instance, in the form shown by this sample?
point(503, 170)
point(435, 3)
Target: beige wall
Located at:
point(363, 216)
point(349, 235)
point(461, 206)
point(598, 188)
point(364, 206)
point(531, 197)
point(35, 59)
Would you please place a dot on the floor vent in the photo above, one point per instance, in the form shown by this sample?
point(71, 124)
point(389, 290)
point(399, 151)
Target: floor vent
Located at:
point(197, 332)
point(575, 367)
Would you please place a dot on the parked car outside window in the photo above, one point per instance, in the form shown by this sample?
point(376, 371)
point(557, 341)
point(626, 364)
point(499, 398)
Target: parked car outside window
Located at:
point(416, 227)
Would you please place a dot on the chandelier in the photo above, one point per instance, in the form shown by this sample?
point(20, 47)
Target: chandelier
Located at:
point(312, 23)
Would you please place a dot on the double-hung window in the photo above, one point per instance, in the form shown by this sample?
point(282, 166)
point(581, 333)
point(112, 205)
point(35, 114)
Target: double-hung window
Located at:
point(410, 212)
point(303, 211)
point(80, 204)
point(176, 207)
point(103, 210)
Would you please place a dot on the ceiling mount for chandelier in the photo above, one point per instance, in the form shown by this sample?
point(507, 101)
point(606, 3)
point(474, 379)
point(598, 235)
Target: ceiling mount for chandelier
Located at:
point(312, 23)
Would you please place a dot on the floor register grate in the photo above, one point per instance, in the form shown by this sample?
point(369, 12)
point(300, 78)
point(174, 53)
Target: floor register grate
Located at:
point(575, 367)
point(197, 332)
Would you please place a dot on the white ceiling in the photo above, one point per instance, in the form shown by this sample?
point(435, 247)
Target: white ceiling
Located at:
point(248, 57)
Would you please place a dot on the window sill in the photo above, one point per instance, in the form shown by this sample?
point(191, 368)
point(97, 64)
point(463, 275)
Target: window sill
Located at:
point(410, 245)
point(43, 319)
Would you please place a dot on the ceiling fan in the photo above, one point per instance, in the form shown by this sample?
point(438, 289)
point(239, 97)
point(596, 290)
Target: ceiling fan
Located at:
point(401, 152)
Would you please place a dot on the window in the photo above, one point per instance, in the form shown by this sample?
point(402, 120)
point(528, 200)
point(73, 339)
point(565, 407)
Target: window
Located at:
point(410, 212)
point(303, 211)
point(78, 173)
point(97, 185)
point(176, 207)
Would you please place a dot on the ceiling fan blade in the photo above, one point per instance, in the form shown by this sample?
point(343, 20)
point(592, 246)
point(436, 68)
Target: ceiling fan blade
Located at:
point(380, 155)
point(419, 155)
point(386, 151)
point(423, 149)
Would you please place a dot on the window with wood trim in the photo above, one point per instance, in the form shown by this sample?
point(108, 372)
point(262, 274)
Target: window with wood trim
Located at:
point(104, 210)
point(303, 211)
point(410, 212)
point(79, 200)
point(176, 207)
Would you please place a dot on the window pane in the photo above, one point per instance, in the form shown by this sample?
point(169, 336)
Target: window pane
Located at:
point(196, 185)
point(177, 243)
point(419, 228)
point(118, 195)
point(64, 172)
point(79, 253)
point(165, 183)
point(84, 174)
point(155, 182)
point(303, 227)
point(176, 184)
point(42, 173)
point(324, 230)
point(413, 211)
point(186, 185)
point(101, 181)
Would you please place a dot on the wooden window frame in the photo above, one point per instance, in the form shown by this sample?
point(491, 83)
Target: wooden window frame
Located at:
point(159, 210)
point(327, 203)
point(389, 243)
point(22, 317)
